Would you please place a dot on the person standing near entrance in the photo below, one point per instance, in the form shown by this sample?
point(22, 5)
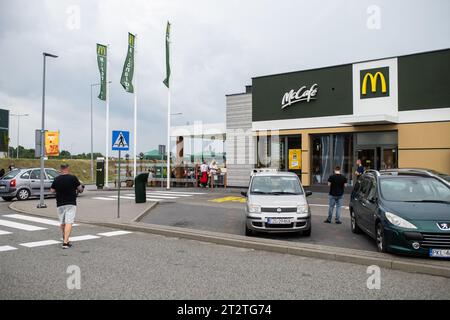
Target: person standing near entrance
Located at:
point(359, 169)
point(337, 183)
point(66, 187)
point(204, 174)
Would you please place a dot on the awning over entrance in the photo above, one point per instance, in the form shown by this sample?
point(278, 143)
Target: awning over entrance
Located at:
point(369, 119)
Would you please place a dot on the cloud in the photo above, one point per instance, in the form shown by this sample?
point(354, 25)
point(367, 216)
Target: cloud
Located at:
point(218, 46)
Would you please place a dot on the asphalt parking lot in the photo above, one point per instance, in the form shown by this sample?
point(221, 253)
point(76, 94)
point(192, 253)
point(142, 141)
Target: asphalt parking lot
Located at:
point(224, 212)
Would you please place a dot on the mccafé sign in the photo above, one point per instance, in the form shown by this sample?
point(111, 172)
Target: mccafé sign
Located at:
point(302, 94)
point(374, 83)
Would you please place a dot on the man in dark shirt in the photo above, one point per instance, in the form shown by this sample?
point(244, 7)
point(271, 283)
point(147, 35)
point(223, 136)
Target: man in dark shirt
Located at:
point(337, 183)
point(66, 187)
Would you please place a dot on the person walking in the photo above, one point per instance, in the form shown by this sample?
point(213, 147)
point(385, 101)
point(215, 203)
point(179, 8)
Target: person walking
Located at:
point(359, 169)
point(213, 171)
point(337, 182)
point(66, 187)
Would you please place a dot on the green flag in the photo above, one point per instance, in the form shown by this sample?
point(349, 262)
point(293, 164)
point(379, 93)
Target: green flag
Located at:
point(101, 60)
point(128, 67)
point(167, 80)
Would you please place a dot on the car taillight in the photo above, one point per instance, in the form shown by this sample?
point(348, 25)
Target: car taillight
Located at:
point(12, 183)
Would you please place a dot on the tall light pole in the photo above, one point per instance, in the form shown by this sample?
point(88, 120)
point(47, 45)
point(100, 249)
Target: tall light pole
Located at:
point(41, 195)
point(18, 129)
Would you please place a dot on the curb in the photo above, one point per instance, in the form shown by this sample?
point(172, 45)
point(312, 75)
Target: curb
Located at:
point(361, 257)
point(140, 216)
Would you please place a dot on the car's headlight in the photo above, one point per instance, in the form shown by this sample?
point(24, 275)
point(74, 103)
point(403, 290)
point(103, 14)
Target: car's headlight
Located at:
point(303, 209)
point(253, 208)
point(399, 222)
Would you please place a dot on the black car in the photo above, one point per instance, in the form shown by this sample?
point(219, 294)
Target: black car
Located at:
point(405, 211)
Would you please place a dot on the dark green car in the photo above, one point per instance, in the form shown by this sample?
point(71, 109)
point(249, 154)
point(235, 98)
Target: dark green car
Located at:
point(405, 211)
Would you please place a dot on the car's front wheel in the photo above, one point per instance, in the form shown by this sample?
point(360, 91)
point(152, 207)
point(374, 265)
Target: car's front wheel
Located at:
point(23, 194)
point(248, 232)
point(307, 233)
point(380, 238)
point(354, 225)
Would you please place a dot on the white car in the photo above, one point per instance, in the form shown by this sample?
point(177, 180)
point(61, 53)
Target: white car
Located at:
point(276, 202)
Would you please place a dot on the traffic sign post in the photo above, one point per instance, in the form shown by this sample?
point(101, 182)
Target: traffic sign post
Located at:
point(120, 142)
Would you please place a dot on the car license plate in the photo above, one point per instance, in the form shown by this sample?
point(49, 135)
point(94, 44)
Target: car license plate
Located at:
point(440, 253)
point(278, 221)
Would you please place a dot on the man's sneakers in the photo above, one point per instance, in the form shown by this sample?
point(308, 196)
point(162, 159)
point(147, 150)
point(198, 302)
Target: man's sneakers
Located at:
point(327, 221)
point(66, 245)
point(337, 221)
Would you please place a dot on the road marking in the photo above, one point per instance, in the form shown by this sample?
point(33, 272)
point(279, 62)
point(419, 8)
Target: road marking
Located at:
point(7, 248)
point(35, 219)
point(39, 243)
point(82, 238)
point(122, 197)
point(4, 232)
point(176, 192)
point(161, 197)
point(157, 200)
point(325, 205)
point(229, 199)
point(20, 226)
point(169, 194)
point(103, 198)
point(113, 233)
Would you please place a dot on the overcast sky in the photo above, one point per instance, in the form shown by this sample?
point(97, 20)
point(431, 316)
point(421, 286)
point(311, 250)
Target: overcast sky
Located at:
point(218, 46)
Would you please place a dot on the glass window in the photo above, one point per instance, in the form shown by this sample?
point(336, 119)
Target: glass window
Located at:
point(414, 189)
point(275, 185)
point(51, 174)
point(11, 174)
point(35, 174)
point(25, 175)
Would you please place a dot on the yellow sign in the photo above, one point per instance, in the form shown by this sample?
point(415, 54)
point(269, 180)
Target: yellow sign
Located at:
point(52, 143)
point(295, 159)
point(373, 82)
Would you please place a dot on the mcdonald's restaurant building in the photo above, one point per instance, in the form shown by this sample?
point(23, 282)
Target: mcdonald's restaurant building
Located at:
point(390, 113)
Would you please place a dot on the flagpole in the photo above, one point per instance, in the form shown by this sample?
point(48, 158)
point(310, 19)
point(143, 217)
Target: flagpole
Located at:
point(107, 119)
point(168, 138)
point(135, 108)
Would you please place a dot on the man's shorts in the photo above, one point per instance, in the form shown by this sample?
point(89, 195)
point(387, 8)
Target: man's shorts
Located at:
point(67, 213)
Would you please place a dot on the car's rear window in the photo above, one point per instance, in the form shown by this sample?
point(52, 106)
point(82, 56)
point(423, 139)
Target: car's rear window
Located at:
point(11, 174)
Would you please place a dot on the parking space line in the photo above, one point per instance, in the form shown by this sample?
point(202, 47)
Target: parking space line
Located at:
point(7, 248)
point(114, 233)
point(39, 243)
point(82, 238)
point(34, 219)
point(20, 226)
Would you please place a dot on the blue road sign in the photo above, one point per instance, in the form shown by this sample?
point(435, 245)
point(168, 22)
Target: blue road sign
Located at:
point(121, 140)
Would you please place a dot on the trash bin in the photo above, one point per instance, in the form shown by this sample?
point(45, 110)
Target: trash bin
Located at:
point(100, 176)
point(140, 182)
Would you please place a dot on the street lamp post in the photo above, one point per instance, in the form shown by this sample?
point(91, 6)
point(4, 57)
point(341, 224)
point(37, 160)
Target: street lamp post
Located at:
point(18, 130)
point(41, 195)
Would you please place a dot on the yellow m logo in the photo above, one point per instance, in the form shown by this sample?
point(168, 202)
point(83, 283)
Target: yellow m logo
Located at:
point(101, 50)
point(373, 82)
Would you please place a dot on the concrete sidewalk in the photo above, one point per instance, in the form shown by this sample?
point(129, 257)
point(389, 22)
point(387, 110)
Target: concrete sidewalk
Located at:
point(90, 210)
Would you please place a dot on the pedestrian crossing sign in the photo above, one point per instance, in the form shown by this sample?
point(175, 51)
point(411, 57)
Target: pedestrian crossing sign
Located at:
point(121, 140)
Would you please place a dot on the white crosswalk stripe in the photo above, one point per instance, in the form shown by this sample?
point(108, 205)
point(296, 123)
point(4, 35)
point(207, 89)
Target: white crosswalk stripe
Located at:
point(114, 233)
point(7, 248)
point(82, 238)
point(20, 226)
point(39, 243)
point(4, 232)
point(152, 195)
point(34, 219)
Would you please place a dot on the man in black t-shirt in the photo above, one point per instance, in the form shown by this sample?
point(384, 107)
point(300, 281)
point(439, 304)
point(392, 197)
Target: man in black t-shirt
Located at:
point(337, 183)
point(66, 187)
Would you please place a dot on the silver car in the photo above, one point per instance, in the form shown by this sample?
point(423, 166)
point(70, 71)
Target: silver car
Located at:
point(276, 202)
point(25, 183)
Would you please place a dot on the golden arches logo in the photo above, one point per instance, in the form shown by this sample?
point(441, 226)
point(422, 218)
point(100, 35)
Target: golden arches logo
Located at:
point(373, 82)
point(101, 50)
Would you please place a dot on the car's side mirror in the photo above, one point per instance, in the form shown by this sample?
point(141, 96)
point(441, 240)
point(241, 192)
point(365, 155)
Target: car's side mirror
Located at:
point(308, 193)
point(244, 193)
